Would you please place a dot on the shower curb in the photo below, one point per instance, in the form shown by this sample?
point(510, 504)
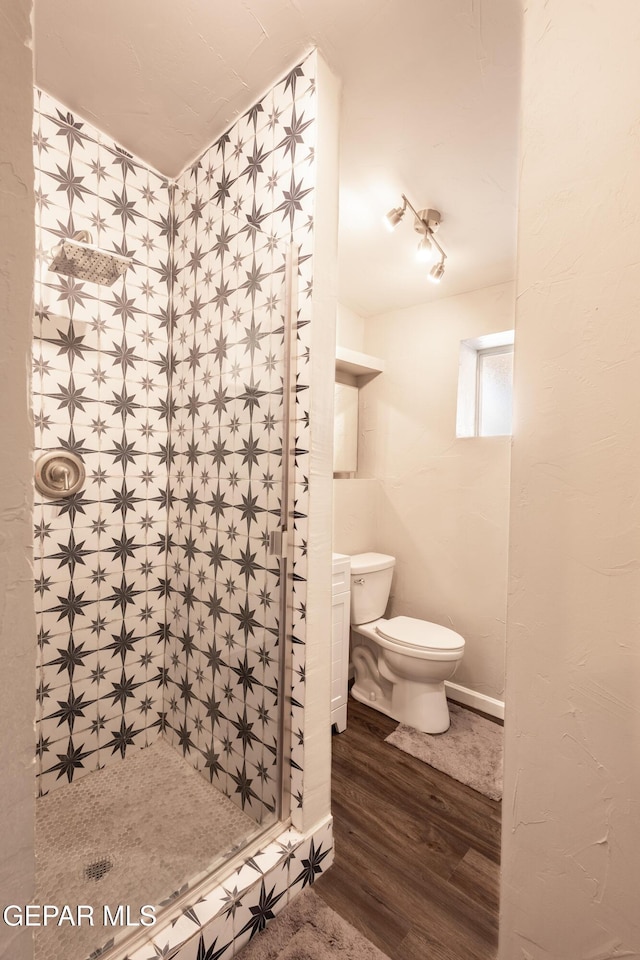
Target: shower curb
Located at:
point(237, 908)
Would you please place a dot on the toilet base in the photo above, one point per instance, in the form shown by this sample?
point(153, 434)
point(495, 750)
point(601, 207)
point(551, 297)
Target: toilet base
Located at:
point(371, 697)
point(381, 682)
point(422, 706)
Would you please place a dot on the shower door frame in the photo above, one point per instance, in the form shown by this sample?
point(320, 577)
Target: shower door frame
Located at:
point(285, 728)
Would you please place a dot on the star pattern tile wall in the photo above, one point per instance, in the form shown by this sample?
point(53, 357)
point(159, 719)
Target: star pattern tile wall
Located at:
point(100, 388)
point(238, 209)
point(179, 423)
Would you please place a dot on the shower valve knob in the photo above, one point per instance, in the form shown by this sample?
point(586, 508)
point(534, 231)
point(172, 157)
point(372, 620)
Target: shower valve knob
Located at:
point(59, 473)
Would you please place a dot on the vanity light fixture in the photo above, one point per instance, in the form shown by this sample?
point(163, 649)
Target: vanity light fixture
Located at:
point(426, 222)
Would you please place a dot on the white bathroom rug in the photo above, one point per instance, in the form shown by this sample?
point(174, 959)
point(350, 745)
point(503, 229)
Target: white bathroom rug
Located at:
point(470, 751)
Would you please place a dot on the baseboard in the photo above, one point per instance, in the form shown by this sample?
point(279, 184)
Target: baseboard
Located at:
point(471, 698)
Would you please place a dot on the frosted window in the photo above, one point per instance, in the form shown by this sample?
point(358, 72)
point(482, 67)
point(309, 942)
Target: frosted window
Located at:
point(495, 391)
point(345, 435)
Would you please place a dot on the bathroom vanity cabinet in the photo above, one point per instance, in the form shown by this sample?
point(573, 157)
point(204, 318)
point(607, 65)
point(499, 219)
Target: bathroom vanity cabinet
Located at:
point(341, 600)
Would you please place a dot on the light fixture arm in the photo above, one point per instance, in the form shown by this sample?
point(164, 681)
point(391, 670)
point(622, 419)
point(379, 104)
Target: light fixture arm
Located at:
point(443, 255)
point(407, 203)
point(427, 229)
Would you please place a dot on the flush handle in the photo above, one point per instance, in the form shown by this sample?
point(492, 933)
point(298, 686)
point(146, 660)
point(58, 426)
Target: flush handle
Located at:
point(358, 580)
point(59, 474)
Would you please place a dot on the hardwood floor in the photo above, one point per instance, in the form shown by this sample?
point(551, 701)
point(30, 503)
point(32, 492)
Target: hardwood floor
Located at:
point(417, 853)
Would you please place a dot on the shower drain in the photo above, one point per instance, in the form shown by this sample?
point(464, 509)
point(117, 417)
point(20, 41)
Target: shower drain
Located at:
point(97, 869)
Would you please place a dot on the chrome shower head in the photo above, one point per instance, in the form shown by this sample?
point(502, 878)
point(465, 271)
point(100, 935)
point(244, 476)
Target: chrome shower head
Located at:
point(81, 259)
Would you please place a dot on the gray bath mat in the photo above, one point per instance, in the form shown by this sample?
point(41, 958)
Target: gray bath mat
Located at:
point(310, 930)
point(470, 751)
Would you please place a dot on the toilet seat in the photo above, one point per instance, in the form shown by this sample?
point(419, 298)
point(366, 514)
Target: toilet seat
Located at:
point(429, 639)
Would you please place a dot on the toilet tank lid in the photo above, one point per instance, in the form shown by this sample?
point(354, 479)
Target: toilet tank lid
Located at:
point(370, 562)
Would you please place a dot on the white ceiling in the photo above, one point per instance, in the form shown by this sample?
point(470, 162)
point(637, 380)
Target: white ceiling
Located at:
point(430, 109)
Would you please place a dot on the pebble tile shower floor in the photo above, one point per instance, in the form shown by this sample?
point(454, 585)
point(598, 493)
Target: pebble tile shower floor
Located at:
point(133, 833)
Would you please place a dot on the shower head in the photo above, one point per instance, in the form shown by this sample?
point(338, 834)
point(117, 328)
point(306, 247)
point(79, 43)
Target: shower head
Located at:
point(81, 259)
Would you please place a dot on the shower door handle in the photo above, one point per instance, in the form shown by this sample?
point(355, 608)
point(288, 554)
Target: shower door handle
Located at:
point(278, 543)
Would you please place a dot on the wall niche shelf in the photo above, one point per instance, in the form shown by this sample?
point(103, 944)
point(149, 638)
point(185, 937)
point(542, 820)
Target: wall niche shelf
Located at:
point(355, 367)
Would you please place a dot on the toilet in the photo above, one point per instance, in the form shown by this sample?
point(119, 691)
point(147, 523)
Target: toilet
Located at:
point(400, 664)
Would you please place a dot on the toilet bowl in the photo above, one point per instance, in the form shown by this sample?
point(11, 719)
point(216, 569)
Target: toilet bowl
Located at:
point(401, 664)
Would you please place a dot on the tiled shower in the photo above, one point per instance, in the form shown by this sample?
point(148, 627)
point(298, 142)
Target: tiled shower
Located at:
point(101, 389)
point(158, 598)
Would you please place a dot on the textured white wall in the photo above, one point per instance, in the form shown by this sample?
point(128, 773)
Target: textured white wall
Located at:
point(442, 504)
point(354, 515)
point(571, 826)
point(17, 618)
point(350, 329)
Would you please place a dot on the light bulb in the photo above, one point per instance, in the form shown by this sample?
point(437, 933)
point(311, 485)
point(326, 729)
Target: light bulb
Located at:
point(426, 252)
point(436, 272)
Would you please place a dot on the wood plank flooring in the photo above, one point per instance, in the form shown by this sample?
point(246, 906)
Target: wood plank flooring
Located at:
point(417, 853)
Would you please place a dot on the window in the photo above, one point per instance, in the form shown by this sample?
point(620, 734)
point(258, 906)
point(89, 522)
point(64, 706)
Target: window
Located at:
point(485, 386)
point(494, 385)
point(345, 432)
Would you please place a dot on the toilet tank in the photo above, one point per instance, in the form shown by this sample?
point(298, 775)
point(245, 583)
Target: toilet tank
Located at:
point(371, 575)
